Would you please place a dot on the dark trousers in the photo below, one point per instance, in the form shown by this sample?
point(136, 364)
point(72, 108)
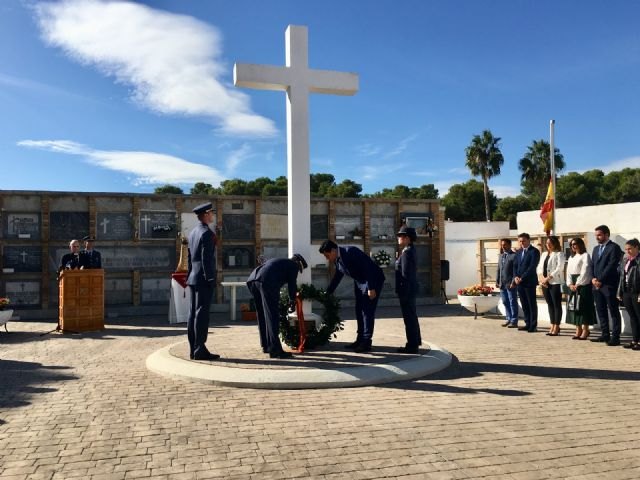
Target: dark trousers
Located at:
point(365, 314)
point(529, 306)
point(198, 321)
point(630, 301)
point(410, 317)
point(607, 303)
point(267, 300)
point(553, 296)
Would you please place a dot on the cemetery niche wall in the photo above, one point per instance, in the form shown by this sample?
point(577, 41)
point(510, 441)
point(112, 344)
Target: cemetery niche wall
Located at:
point(139, 238)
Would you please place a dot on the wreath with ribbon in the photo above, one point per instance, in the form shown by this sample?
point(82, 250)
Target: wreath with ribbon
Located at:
point(331, 323)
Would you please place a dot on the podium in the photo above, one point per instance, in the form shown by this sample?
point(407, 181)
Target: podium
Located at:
point(81, 300)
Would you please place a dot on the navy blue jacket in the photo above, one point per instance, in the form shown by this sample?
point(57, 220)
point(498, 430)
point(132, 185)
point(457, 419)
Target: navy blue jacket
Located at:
point(93, 258)
point(202, 256)
point(525, 267)
point(274, 273)
point(365, 273)
point(406, 272)
point(606, 266)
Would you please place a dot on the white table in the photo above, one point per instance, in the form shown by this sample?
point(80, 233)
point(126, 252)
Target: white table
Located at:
point(233, 286)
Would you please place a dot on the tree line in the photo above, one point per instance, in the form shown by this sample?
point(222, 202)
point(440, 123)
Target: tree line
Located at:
point(472, 200)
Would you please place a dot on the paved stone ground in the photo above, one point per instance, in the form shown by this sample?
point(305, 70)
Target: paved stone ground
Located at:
point(513, 405)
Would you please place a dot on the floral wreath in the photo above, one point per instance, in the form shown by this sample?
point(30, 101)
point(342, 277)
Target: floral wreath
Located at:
point(475, 290)
point(331, 323)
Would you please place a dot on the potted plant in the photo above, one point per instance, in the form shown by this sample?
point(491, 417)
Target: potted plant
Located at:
point(248, 311)
point(5, 312)
point(478, 299)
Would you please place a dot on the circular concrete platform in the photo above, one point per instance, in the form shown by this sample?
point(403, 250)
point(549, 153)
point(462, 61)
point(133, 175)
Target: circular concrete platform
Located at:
point(331, 368)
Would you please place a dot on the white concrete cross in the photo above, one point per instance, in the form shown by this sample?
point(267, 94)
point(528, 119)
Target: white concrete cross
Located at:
point(298, 80)
point(146, 219)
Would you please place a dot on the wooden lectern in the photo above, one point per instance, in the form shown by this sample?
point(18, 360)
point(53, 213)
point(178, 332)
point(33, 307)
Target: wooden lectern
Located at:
point(81, 300)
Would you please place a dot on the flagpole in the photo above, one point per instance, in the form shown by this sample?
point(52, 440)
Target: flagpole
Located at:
point(553, 175)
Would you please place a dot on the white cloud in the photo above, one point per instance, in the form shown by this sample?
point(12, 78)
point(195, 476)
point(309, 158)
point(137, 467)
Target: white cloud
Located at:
point(147, 167)
point(173, 62)
point(502, 191)
point(237, 157)
point(630, 162)
point(401, 147)
point(367, 150)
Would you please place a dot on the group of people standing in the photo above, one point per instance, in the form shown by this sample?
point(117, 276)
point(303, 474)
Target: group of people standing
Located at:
point(81, 259)
point(594, 284)
point(271, 275)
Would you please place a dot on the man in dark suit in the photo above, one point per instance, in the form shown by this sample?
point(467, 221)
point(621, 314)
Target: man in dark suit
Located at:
point(73, 260)
point(264, 283)
point(201, 277)
point(368, 280)
point(526, 279)
point(92, 257)
point(504, 281)
point(606, 257)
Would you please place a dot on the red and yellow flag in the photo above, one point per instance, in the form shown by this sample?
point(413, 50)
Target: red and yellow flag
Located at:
point(547, 209)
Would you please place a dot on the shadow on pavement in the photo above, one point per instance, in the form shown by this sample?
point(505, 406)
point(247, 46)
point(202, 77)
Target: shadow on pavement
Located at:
point(23, 380)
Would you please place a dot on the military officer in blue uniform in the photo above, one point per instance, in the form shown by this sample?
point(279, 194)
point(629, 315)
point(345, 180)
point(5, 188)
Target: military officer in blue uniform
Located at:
point(93, 258)
point(368, 280)
point(407, 288)
point(201, 277)
point(264, 283)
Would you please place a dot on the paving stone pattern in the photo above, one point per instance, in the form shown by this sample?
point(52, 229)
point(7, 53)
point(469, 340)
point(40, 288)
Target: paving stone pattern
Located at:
point(514, 405)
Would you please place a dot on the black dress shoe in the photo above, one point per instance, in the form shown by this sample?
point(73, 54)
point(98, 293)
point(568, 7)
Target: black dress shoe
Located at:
point(523, 328)
point(512, 325)
point(363, 347)
point(206, 356)
point(532, 331)
point(614, 342)
point(505, 324)
point(408, 349)
point(281, 355)
point(190, 355)
point(353, 345)
point(601, 339)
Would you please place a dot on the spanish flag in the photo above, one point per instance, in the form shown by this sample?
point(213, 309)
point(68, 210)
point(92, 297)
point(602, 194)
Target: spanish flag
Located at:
point(547, 209)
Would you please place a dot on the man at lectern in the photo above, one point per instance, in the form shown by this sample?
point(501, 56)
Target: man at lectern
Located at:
point(93, 258)
point(201, 277)
point(74, 259)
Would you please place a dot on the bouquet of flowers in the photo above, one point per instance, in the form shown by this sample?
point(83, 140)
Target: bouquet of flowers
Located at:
point(382, 258)
point(4, 302)
point(475, 290)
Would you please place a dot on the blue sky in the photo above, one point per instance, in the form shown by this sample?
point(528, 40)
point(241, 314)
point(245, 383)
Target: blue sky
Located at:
point(123, 97)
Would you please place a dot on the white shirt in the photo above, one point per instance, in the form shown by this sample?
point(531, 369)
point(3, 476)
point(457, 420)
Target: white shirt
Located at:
point(581, 265)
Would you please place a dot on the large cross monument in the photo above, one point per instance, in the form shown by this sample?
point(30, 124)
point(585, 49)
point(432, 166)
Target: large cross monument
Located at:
point(298, 80)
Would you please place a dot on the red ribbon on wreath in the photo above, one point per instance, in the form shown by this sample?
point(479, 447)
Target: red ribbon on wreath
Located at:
point(301, 326)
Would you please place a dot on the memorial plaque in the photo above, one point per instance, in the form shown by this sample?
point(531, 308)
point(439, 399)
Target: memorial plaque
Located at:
point(68, 225)
point(348, 227)
point(273, 251)
point(22, 225)
point(114, 226)
point(239, 257)
point(117, 291)
point(22, 258)
point(383, 228)
point(155, 290)
point(319, 227)
point(273, 227)
point(423, 223)
point(23, 293)
point(238, 227)
point(139, 258)
point(154, 224)
point(423, 252)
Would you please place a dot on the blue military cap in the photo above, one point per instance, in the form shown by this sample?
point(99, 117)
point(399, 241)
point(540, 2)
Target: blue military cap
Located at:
point(407, 231)
point(88, 238)
point(205, 207)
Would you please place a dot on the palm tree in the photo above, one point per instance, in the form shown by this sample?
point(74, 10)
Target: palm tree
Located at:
point(536, 168)
point(484, 159)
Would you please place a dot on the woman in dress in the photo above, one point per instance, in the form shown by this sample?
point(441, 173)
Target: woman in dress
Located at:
point(580, 309)
point(550, 275)
point(629, 289)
